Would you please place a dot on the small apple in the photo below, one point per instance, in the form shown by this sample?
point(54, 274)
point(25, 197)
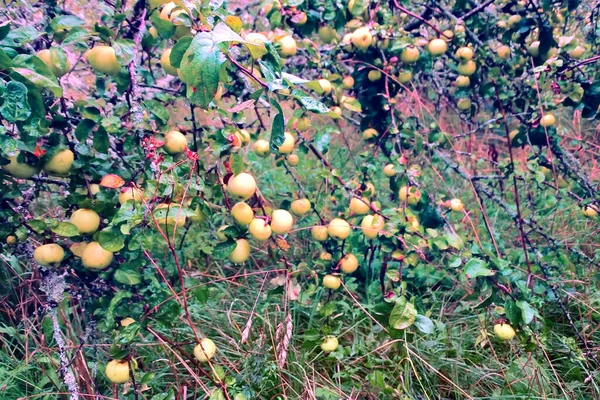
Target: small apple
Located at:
point(325, 256)
point(504, 331)
point(348, 82)
point(360, 206)
point(241, 186)
point(205, 350)
point(104, 59)
point(437, 47)
point(288, 46)
point(47, 254)
point(175, 142)
point(463, 81)
point(513, 20)
point(348, 264)
point(300, 207)
point(281, 222)
point(94, 257)
point(304, 122)
point(337, 110)
point(410, 55)
point(221, 237)
point(18, 169)
point(242, 213)
point(371, 225)
point(299, 19)
point(548, 120)
point(165, 63)
point(117, 371)
point(410, 195)
point(326, 86)
point(52, 60)
point(456, 205)
point(534, 48)
point(362, 38)
point(405, 76)
point(374, 75)
point(131, 193)
point(319, 233)
point(503, 52)
point(262, 148)
point(254, 37)
point(467, 68)
point(370, 133)
point(87, 221)
point(389, 170)
point(332, 282)
point(126, 321)
point(288, 144)
point(241, 252)
point(11, 239)
point(464, 54)
point(463, 104)
point(327, 34)
point(338, 229)
point(259, 229)
point(577, 52)
point(293, 160)
point(590, 211)
point(329, 344)
point(60, 163)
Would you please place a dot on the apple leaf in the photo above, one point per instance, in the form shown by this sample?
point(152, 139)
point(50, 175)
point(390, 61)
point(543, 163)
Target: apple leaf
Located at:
point(475, 268)
point(15, 107)
point(66, 229)
point(403, 315)
point(111, 239)
point(223, 249)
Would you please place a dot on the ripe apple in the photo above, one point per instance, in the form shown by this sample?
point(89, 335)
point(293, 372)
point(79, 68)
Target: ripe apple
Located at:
point(18, 169)
point(175, 142)
point(205, 350)
point(327, 34)
point(127, 321)
point(338, 229)
point(319, 233)
point(131, 193)
point(464, 54)
point(87, 221)
point(329, 344)
point(262, 148)
point(165, 63)
point(348, 264)
point(503, 52)
point(168, 14)
point(288, 144)
point(325, 256)
point(463, 104)
point(548, 120)
point(360, 206)
point(504, 331)
point(362, 38)
point(513, 20)
point(332, 282)
point(54, 64)
point(326, 86)
point(241, 186)
point(103, 59)
point(281, 222)
point(293, 160)
point(47, 254)
point(577, 52)
point(241, 252)
point(467, 68)
point(534, 48)
point(259, 229)
point(11, 239)
point(410, 55)
point(389, 170)
point(347, 42)
point(371, 225)
point(448, 35)
point(370, 133)
point(94, 257)
point(463, 82)
point(221, 237)
point(590, 211)
point(60, 163)
point(437, 47)
point(405, 76)
point(173, 218)
point(410, 195)
point(348, 82)
point(300, 207)
point(456, 205)
point(304, 122)
point(374, 75)
point(242, 213)
point(288, 46)
point(117, 371)
point(337, 110)
point(300, 18)
point(243, 135)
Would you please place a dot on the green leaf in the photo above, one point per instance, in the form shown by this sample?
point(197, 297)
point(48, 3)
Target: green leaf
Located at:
point(37, 225)
point(39, 80)
point(359, 7)
point(403, 315)
point(4, 29)
point(15, 106)
point(475, 268)
point(101, 141)
point(111, 239)
point(20, 37)
point(58, 58)
point(237, 164)
point(127, 334)
point(454, 240)
point(222, 33)
point(110, 310)
point(310, 103)
point(179, 50)
point(83, 129)
point(200, 69)
point(424, 324)
point(127, 276)
point(65, 22)
point(65, 229)
point(223, 249)
point(165, 28)
point(124, 50)
point(157, 109)
point(277, 128)
point(527, 311)
point(5, 60)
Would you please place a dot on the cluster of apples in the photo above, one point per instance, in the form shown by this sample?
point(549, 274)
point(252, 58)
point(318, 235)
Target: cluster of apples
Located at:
point(58, 165)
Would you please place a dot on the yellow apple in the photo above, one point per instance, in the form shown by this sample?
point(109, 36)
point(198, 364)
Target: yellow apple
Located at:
point(327, 34)
point(370, 133)
point(590, 211)
point(577, 52)
point(348, 264)
point(288, 46)
point(338, 229)
point(300, 18)
point(360, 206)
point(463, 81)
point(300, 207)
point(324, 256)
point(262, 148)
point(288, 144)
point(513, 20)
point(326, 86)
point(362, 38)
point(104, 59)
point(437, 47)
point(11, 239)
point(371, 225)
point(548, 120)
point(259, 229)
point(374, 75)
point(319, 233)
point(127, 321)
point(332, 282)
point(293, 160)
point(304, 122)
point(175, 142)
point(456, 205)
point(254, 37)
point(131, 193)
point(54, 65)
point(165, 63)
point(389, 170)
point(463, 104)
point(405, 76)
point(464, 54)
point(534, 48)
point(410, 55)
point(504, 331)
point(281, 222)
point(94, 257)
point(221, 237)
point(18, 169)
point(348, 82)
point(205, 350)
point(410, 195)
point(467, 68)
point(60, 163)
point(242, 213)
point(117, 371)
point(329, 344)
point(87, 221)
point(241, 186)
point(503, 52)
point(241, 252)
point(47, 254)
point(337, 110)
